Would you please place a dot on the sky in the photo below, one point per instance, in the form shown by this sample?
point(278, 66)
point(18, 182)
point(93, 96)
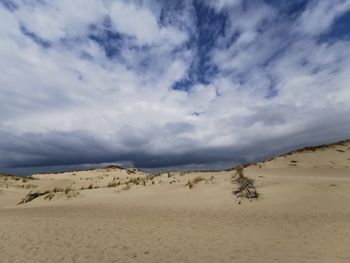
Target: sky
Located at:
point(169, 84)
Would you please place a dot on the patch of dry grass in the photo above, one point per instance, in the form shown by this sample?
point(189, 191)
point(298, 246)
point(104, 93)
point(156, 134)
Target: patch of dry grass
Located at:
point(49, 196)
point(112, 184)
point(26, 186)
point(31, 196)
point(192, 183)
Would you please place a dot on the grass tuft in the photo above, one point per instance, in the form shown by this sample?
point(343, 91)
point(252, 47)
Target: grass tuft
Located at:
point(192, 183)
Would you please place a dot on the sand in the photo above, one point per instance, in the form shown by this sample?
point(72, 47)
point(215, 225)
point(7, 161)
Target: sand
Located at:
point(302, 214)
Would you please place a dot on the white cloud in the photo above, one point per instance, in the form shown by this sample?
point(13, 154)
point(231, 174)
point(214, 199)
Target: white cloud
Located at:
point(251, 46)
point(320, 15)
point(126, 103)
point(138, 21)
point(220, 4)
point(57, 19)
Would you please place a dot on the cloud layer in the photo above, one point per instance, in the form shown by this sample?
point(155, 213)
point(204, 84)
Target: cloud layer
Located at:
point(170, 83)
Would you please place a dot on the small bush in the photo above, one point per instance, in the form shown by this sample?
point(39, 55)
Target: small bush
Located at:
point(112, 184)
point(131, 171)
point(67, 190)
point(246, 188)
point(31, 196)
point(58, 189)
point(72, 193)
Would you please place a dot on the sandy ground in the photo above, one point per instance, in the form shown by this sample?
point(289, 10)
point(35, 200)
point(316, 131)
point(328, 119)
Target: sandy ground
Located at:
point(115, 215)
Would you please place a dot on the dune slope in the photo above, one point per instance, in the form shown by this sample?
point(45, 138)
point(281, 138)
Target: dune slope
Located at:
point(302, 213)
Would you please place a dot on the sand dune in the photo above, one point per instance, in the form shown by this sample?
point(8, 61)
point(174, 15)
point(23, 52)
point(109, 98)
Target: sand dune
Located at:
point(302, 213)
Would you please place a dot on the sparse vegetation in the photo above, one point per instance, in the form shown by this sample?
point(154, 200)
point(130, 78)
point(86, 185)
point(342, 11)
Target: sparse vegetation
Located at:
point(67, 190)
point(31, 196)
point(26, 186)
point(49, 196)
point(322, 147)
point(246, 188)
point(131, 171)
point(192, 183)
point(112, 184)
point(152, 176)
point(137, 181)
point(17, 177)
point(58, 189)
point(72, 193)
point(318, 147)
point(126, 188)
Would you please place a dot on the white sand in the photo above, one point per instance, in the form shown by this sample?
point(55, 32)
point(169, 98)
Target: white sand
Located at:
point(302, 215)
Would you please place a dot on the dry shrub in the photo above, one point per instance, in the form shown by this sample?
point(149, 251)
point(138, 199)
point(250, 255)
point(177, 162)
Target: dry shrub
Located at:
point(31, 196)
point(246, 188)
point(72, 193)
point(67, 190)
point(131, 171)
point(58, 190)
point(112, 184)
point(137, 181)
